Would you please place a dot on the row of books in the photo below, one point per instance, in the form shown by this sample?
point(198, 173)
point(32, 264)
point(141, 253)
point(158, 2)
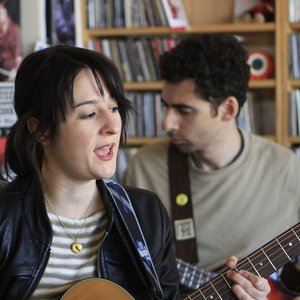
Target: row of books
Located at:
point(294, 55)
point(135, 13)
point(136, 58)
point(257, 114)
point(294, 11)
point(294, 112)
point(146, 121)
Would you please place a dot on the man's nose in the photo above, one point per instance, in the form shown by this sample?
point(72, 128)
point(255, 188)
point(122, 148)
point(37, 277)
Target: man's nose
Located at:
point(170, 121)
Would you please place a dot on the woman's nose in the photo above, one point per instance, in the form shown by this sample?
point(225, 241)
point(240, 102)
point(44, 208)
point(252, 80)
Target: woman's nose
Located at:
point(110, 123)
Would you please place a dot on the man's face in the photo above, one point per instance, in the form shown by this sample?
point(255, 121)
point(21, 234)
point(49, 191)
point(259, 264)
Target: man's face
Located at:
point(189, 120)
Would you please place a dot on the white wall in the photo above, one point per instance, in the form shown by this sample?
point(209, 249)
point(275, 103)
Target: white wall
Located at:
point(33, 23)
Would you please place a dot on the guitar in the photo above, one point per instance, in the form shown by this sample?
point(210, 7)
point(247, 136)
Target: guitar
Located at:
point(263, 262)
point(193, 276)
point(96, 288)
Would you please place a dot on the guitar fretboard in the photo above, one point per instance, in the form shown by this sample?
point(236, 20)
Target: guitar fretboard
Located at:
point(263, 262)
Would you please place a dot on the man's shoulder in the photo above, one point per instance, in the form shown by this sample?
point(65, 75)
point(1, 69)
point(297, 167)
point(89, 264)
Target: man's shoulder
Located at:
point(273, 150)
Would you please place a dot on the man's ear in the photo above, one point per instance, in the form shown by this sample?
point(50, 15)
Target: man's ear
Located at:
point(229, 108)
point(32, 124)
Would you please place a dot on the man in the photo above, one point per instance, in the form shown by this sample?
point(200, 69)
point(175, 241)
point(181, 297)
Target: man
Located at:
point(244, 189)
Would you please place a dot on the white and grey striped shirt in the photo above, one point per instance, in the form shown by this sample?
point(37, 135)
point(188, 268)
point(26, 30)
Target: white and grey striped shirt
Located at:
point(65, 268)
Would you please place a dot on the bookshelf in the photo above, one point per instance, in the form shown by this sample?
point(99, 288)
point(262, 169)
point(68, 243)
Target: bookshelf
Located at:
point(289, 84)
point(271, 94)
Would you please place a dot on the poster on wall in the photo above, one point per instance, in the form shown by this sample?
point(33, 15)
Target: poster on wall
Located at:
point(61, 25)
point(10, 39)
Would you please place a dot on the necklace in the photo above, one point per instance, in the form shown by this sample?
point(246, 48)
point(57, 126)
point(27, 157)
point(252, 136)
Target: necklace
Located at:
point(76, 246)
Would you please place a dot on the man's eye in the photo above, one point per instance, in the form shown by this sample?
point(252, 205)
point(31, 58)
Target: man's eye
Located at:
point(184, 111)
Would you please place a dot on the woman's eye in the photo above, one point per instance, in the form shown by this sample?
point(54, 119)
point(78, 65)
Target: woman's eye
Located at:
point(89, 116)
point(115, 109)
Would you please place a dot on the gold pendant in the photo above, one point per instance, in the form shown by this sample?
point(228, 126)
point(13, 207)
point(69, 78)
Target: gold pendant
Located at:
point(76, 247)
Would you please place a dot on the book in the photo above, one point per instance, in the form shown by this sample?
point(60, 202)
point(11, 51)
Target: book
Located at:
point(175, 13)
point(293, 115)
point(142, 58)
point(125, 65)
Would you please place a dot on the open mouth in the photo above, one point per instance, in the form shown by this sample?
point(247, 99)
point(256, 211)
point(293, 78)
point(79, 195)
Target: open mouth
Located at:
point(105, 152)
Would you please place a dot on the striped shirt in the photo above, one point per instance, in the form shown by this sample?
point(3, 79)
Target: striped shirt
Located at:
point(64, 267)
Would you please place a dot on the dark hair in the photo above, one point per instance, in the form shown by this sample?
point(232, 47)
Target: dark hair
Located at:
point(217, 63)
point(44, 90)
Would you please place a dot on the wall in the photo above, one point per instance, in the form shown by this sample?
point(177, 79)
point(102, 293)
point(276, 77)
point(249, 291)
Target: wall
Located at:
point(33, 25)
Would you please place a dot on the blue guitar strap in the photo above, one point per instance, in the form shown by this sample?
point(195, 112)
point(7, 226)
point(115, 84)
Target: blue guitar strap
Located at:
point(128, 217)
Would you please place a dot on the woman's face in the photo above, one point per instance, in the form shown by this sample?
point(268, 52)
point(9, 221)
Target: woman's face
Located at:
point(87, 143)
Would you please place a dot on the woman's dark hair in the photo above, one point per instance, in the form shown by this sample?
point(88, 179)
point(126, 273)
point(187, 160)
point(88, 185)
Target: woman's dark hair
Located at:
point(44, 90)
point(217, 62)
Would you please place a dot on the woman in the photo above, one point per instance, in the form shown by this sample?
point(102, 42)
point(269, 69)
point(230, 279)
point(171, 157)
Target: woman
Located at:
point(58, 221)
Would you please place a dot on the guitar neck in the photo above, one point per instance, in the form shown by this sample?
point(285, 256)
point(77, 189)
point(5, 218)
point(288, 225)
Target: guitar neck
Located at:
point(263, 262)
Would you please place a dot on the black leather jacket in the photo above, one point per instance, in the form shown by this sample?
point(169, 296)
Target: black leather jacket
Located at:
point(26, 235)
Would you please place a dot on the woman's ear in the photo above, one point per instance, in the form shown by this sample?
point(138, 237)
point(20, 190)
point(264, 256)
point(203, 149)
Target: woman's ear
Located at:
point(230, 108)
point(32, 124)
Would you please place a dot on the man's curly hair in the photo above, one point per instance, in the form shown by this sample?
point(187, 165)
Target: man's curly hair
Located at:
point(217, 63)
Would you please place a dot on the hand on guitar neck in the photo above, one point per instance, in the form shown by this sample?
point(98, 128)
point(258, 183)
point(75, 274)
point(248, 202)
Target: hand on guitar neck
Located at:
point(263, 262)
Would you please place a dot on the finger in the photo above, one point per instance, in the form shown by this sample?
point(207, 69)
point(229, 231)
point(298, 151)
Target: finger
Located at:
point(248, 285)
point(231, 261)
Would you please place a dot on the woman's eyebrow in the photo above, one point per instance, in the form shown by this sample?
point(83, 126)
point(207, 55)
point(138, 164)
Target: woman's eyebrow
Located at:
point(86, 102)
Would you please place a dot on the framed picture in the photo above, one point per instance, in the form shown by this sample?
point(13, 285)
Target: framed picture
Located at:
point(61, 25)
point(10, 39)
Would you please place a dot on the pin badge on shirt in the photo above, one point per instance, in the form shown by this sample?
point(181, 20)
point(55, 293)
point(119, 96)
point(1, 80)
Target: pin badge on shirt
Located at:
point(182, 199)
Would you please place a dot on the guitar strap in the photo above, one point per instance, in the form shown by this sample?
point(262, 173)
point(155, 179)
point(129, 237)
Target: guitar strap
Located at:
point(181, 206)
point(131, 224)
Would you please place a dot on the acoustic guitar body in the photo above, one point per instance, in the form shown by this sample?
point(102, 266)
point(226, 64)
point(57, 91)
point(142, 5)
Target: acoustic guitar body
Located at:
point(276, 293)
point(96, 289)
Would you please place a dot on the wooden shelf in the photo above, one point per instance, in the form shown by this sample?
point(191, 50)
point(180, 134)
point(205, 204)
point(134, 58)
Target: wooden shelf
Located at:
point(138, 141)
point(146, 31)
point(295, 83)
point(294, 139)
point(271, 36)
point(156, 85)
point(295, 26)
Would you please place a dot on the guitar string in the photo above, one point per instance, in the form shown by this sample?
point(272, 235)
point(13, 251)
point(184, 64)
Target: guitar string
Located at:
point(228, 290)
point(245, 260)
point(243, 263)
